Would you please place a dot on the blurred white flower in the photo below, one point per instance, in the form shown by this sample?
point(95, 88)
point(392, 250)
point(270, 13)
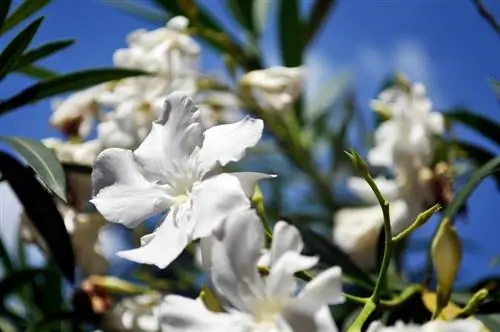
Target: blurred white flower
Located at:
point(177, 168)
point(257, 303)
point(275, 88)
point(75, 114)
point(73, 152)
point(459, 325)
point(218, 107)
point(405, 139)
point(134, 314)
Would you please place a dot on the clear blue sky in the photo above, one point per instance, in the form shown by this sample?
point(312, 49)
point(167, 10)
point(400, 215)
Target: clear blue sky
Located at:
point(444, 44)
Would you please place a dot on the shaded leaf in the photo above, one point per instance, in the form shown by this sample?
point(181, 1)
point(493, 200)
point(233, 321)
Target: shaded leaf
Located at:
point(331, 255)
point(37, 72)
point(139, 11)
point(290, 32)
point(476, 178)
point(483, 125)
point(242, 12)
point(329, 95)
point(41, 210)
point(4, 10)
point(66, 83)
point(22, 12)
point(259, 15)
point(15, 281)
point(319, 12)
point(41, 52)
point(43, 161)
point(478, 155)
point(16, 47)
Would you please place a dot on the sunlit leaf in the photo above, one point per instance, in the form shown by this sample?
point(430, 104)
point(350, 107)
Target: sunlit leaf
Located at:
point(290, 32)
point(66, 83)
point(16, 47)
point(41, 210)
point(22, 12)
point(41, 52)
point(43, 161)
point(260, 12)
point(37, 72)
point(481, 124)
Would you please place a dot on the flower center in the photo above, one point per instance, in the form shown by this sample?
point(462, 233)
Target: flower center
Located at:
point(264, 311)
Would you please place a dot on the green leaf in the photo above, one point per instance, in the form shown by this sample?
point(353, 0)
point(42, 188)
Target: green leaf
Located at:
point(41, 52)
point(4, 10)
point(326, 98)
point(16, 47)
point(331, 255)
point(43, 161)
point(37, 72)
point(242, 12)
point(17, 280)
point(42, 211)
point(483, 125)
point(66, 83)
point(491, 322)
point(139, 11)
point(319, 12)
point(290, 33)
point(476, 178)
point(259, 13)
point(22, 12)
point(478, 155)
point(496, 87)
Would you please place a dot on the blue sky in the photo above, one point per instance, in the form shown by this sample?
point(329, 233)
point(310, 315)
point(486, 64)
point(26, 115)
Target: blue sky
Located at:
point(444, 44)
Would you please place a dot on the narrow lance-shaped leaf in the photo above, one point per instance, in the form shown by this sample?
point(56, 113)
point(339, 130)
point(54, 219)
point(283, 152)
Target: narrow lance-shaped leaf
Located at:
point(478, 155)
point(242, 12)
point(41, 52)
point(290, 32)
point(4, 10)
point(37, 72)
point(22, 12)
point(320, 10)
point(140, 11)
point(16, 47)
point(43, 161)
point(260, 12)
point(66, 83)
point(483, 125)
point(41, 210)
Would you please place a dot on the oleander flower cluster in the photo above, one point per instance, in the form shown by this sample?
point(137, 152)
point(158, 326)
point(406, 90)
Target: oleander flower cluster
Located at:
point(404, 146)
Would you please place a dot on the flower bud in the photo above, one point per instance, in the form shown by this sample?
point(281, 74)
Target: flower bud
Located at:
point(446, 257)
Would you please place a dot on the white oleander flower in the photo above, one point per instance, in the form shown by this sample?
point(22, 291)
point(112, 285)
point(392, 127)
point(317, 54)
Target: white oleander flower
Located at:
point(176, 168)
point(405, 139)
point(134, 314)
point(276, 88)
point(459, 325)
point(74, 153)
point(257, 303)
point(75, 115)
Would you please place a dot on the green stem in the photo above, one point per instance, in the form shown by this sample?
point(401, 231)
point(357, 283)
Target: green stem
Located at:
point(367, 310)
point(421, 219)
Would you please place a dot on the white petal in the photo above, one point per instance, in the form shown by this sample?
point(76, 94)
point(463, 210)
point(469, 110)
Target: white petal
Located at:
point(323, 321)
point(228, 142)
point(248, 180)
point(173, 137)
point(165, 246)
point(212, 202)
point(180, 314)
point(121, 193)
point(435, 121)
point(324, 289)
point(281, 279)
point(286, 237)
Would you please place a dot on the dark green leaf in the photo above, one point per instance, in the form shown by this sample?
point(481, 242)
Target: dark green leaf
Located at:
point(329, 94)
point(478, 155)
point(290, 33)
point(476, 178)
point(41, 52)
point(22, 12)
point(43, 161)
point(66, 83)
point(242, 12)
point(491, 322)
point(331, 255)
point(41, 210)
point(57, 321)
point(260, 12)
point(140, 11)
point(15, 281)
point(483, 125)
point(4, 10)
point(37, 72)
point(319, 12)
point(16, 47)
